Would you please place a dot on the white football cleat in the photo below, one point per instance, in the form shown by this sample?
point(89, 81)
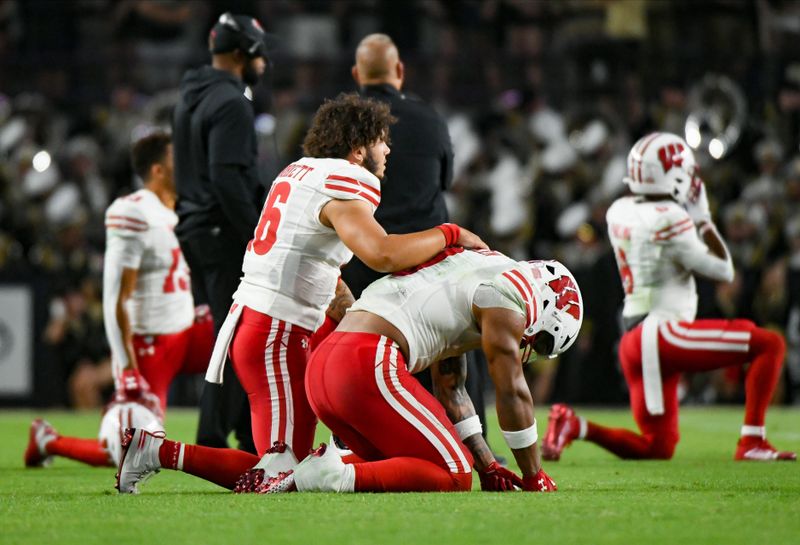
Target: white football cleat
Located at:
point(41, 433)
point(320, 471)
point(324, 471)
point(278, 458)
point(139, 460)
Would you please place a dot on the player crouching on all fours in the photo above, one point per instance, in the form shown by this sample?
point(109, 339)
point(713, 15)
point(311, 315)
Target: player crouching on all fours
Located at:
point(359, 383)
point(655, 237)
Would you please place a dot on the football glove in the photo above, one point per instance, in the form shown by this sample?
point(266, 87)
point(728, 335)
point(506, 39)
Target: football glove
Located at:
point(496, 478)
point(130, 385)
point(697, 202)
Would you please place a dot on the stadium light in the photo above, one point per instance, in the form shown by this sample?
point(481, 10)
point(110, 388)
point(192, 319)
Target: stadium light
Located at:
point(41, 161)
point(716, 148)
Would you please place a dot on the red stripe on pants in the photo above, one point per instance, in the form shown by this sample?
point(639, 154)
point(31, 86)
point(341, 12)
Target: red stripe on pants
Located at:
point(267, 358)
point(659, 434)
point(342, 388)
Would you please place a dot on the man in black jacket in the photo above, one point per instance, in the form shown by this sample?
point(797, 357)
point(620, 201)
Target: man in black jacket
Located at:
point(419, 169)
point(421, 163)
point(219, 195)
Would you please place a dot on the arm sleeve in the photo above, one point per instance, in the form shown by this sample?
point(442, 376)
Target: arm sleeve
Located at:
point(687, 249)
point(126, 229)
point(112, 282)
point(351, 183)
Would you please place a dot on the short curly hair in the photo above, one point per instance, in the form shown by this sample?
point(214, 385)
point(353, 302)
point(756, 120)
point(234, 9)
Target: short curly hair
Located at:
point(346, 123)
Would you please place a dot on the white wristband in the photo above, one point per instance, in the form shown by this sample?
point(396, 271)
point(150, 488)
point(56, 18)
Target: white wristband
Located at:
point(522, 438)
point(469, 427)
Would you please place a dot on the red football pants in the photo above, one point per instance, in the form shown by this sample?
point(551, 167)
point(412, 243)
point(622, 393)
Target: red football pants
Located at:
point(359, 386)
point(162, 357)
point(270, 356)
point(702, 345)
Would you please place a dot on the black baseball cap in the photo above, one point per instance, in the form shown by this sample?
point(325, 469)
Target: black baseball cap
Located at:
point(242, 32)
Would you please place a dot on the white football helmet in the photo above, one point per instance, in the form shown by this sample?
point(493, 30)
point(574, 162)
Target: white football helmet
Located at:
point(557, 327)
point(661, 163)
point(119, 416)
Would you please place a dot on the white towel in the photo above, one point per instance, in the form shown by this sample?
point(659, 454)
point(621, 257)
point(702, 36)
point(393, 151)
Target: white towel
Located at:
point(651, 367)
point(220, 354)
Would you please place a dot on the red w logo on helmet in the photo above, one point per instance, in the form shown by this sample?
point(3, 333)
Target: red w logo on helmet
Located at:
point(566, 296)
point(670, 156)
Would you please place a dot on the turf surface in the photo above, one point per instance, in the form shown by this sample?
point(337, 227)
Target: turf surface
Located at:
point(701, 496)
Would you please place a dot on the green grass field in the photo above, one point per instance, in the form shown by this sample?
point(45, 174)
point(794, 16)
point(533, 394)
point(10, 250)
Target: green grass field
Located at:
point(701, 496)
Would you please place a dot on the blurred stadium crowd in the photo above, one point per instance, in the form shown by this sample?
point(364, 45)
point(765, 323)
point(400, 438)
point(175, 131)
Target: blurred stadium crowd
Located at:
point(543, 99)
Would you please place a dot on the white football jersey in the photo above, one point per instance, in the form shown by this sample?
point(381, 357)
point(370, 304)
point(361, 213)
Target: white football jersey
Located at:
point(650, 239)
point(431, 305)
point(293, 262)
point(140, 235)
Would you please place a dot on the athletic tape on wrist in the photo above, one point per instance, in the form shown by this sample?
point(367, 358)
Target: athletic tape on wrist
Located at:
point(522, 438)
point(469, 427)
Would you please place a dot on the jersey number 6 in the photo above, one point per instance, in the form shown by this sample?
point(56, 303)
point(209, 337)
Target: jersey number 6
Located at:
point(270, 218)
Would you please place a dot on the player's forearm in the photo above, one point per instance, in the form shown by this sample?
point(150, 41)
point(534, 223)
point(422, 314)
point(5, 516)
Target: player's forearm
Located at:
point(118, 284)
point(715, 264)
point(515, 416)
point(393, 253)
point(449, 385)
point(126, 333)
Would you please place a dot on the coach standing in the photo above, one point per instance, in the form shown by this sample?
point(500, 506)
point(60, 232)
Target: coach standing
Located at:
point(219, 195)
point(418, 170)
point(421, 164)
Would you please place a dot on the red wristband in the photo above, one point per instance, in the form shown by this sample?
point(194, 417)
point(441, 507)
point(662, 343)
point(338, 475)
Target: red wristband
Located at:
point(451, 233)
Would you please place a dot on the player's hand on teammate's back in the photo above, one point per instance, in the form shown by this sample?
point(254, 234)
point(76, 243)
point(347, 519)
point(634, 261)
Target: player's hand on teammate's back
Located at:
point(496, 478)
point(468, 239)
point(541, 482)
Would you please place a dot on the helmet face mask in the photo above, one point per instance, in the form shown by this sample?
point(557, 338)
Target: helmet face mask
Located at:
point(557, 327)
point(661, 164)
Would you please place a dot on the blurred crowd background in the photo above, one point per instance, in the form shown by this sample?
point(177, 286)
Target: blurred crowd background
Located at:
point(543, 99)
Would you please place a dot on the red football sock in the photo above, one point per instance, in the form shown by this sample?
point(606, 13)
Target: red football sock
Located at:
point(630, 445)
point(88, 451)
point(408, 475)
point(222, 466)
point(353, 459)
point(768, 350)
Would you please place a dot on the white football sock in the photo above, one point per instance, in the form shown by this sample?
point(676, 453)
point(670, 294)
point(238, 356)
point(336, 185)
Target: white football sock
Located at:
point(583, 428)
point(754, 431)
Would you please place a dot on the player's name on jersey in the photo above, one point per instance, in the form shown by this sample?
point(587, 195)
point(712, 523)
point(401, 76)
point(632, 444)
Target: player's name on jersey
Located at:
point(295, 171)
